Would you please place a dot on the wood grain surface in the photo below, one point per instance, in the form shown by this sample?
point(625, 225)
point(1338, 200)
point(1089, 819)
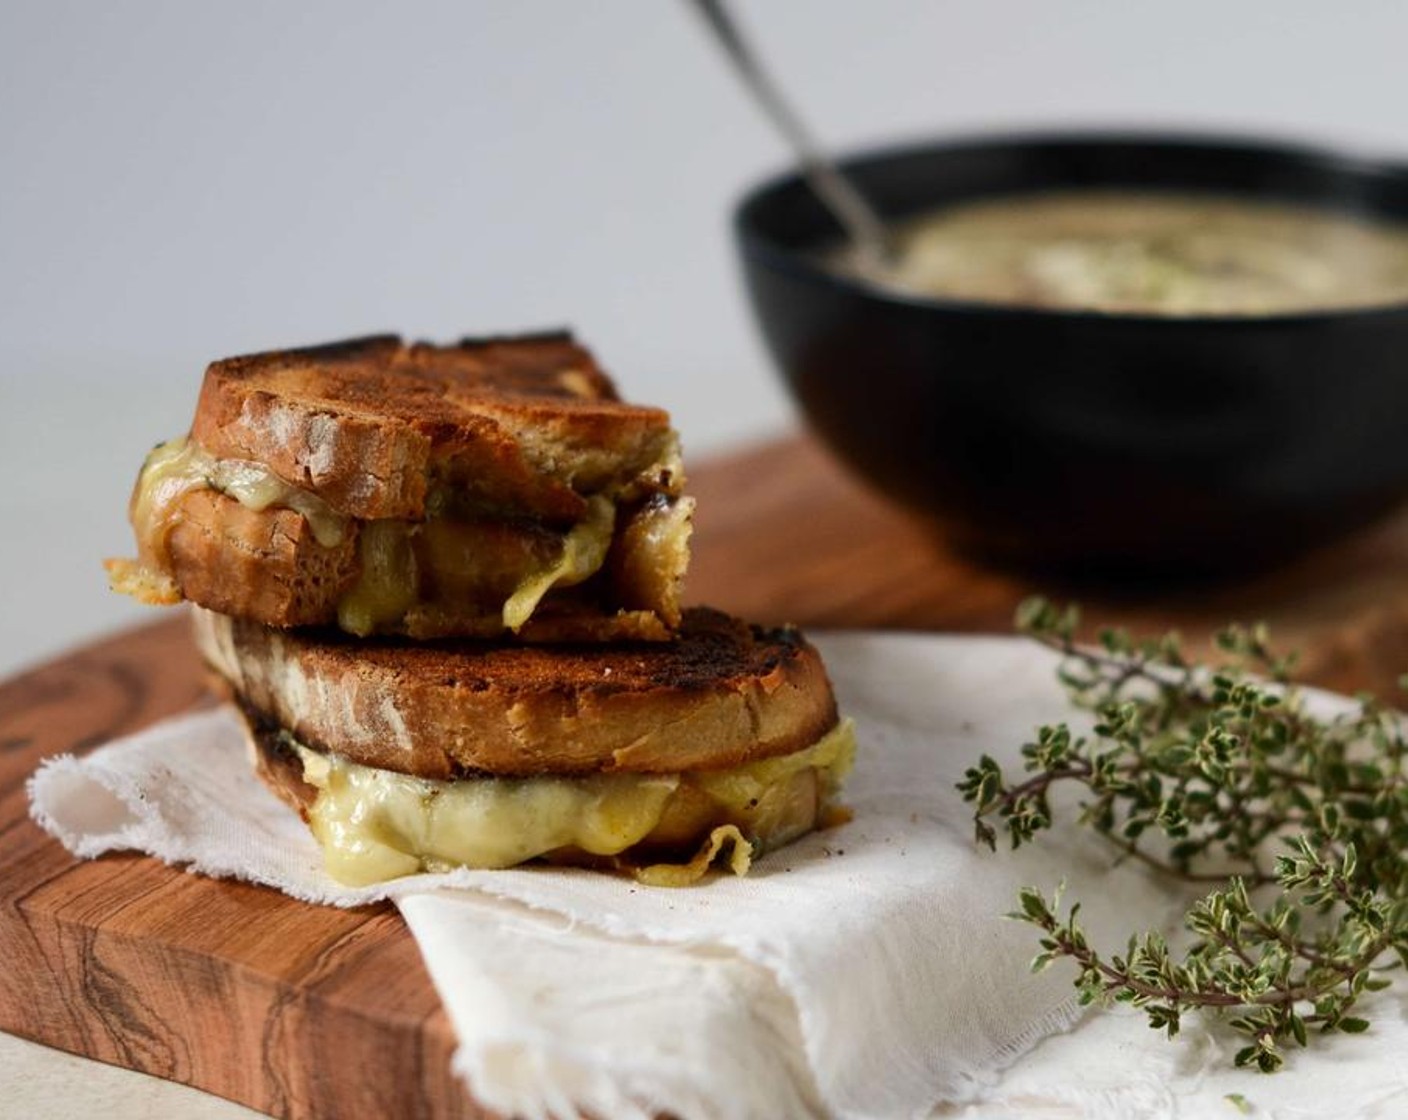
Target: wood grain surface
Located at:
point(303, 1011)
point(294, 1010)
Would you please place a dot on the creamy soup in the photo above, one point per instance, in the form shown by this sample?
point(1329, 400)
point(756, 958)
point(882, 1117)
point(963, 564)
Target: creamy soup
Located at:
point(1167, 254)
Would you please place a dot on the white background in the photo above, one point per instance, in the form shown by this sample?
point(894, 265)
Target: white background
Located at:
point(181, 181)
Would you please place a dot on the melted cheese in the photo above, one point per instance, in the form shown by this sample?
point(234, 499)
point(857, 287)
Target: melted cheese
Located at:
point(405, 565)
point(181, 465)
point(256, 487)
point(583, 553)
point(387, 585)
point(174, 469)
point(375, 825)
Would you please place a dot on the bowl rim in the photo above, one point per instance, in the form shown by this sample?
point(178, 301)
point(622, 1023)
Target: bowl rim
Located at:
point(758, 245)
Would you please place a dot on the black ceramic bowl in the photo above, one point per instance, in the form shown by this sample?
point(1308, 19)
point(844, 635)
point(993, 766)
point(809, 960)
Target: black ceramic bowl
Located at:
point(1088, 440)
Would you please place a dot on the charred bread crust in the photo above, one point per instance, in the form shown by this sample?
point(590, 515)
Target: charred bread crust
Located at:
point(277, 764)
point(720, 695)
point(369, 425)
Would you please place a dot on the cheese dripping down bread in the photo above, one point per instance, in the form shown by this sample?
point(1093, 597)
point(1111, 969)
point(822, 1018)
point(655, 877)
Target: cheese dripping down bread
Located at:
point(487, 488)
point(662, 759)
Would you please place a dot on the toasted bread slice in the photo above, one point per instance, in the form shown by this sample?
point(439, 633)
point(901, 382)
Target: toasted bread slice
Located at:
point(720, 695)
point(658, 759)
point(527, 424)
point(419, 490)
point(266, 564)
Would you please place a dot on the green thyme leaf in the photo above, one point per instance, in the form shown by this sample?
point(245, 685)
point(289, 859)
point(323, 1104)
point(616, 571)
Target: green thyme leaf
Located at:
point(1216, 773)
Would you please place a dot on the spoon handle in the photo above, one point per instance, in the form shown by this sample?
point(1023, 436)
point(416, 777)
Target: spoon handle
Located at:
point(862, 224)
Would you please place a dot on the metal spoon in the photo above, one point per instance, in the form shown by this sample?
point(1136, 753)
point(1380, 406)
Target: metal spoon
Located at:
point(865, 228)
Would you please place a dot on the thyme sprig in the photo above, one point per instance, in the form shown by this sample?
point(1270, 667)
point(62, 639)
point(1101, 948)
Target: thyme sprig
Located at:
point(1219, 774)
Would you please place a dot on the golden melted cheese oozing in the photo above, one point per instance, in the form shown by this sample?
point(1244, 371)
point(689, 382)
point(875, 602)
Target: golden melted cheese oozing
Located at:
point(583, 553)
point(388, 583)
point(181, 465)
point(409, 564)
point(375, 825)
point(175, 468)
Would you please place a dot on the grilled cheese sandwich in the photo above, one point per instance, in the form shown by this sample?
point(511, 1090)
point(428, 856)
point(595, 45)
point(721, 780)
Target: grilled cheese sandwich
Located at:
point(654, 758)
point(442, 587)
point(491, 518)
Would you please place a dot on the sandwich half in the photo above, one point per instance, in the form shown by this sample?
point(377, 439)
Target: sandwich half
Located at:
point(491, 487)
point(660, 759)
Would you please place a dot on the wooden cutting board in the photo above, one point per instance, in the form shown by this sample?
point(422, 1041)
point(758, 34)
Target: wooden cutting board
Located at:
point(304, 1011)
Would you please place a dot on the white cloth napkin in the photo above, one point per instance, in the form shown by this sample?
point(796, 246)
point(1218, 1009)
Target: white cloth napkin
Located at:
point(866, 971)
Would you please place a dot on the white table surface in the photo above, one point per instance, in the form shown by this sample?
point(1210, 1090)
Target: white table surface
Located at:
point(181, 182)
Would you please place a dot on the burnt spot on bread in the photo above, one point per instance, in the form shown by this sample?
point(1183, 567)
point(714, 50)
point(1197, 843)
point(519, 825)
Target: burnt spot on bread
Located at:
point(547, 334)
point(275, 761)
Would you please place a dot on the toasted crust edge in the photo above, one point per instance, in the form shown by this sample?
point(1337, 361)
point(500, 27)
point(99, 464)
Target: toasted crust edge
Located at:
point(449, 712)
